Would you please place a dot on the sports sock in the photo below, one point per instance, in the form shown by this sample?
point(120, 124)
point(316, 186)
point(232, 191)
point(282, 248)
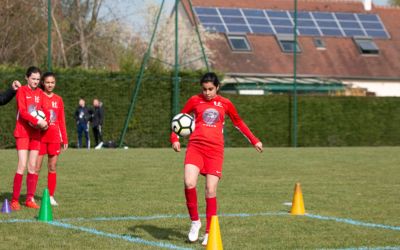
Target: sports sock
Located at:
point(17, 186)
point(31, 181)
point(211, 209)
point(51, 182)
point(191, 203)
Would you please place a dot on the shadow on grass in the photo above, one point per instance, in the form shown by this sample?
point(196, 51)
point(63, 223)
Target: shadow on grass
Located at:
point(22, 198)
point(159, 233)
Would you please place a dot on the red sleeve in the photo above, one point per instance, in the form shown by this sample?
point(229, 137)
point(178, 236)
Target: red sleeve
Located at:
point(61, 122)
point(239, 123)
point(22, 109)
point(188, 108)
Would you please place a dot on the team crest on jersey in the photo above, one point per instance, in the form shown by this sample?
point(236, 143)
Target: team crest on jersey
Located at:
point(210, 116)
point(31, 108)
point(53, 116)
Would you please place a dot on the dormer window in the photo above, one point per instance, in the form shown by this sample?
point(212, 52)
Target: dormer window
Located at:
point(287, 43)
point(238, 43)
point(366, 46)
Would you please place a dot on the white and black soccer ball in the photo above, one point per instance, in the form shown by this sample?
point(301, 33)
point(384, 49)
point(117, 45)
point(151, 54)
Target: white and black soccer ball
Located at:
point(183, 124)
point(38, 114)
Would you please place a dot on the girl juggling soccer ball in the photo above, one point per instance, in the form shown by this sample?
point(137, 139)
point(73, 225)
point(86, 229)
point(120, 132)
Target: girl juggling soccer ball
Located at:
point(205, 150)
point(55, 136)
point(27, 136)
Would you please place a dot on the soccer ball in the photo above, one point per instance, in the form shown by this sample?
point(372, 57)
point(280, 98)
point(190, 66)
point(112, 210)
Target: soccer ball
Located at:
point(38, 114)
point(182, 124)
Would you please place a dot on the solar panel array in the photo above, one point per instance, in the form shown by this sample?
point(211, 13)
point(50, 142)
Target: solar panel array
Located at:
point(269, 22)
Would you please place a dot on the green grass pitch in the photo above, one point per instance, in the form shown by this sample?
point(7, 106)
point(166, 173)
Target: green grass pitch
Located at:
point(110, 199)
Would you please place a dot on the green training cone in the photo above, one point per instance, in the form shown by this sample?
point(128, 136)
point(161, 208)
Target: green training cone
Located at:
point(45, 213)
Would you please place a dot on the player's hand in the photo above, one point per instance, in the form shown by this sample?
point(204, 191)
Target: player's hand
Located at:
point(259, 147)
point(42, 124)
point(176, 146)
point(65, 147)
point(15, 85)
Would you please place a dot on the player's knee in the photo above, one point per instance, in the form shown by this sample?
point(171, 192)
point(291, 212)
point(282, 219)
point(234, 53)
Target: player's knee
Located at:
point(190, 183)
point(52, 167)
point(211, 191)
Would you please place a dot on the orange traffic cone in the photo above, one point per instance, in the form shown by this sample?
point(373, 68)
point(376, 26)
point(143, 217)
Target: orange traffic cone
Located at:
point(214, 236)
point(297, 203)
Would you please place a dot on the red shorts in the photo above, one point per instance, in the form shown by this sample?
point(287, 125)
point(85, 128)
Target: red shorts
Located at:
point(23, 143)
point(50, 148)
point(209, 161)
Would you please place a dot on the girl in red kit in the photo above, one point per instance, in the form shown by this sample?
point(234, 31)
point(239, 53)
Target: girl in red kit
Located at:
point(205, 150)
point(55, 136)
point(27, 136)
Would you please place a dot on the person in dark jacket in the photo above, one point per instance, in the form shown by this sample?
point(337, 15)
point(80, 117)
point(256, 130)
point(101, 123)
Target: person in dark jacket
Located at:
point(97, 122)
point(9, 94)
point(82, 118)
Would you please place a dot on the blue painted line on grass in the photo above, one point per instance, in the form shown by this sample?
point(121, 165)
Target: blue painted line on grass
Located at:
point(118, 236)
point(353, 222)
point(365, 248)
point(17, 221)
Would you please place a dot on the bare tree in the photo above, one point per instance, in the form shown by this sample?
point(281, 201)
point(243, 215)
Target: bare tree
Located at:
point(395, 2)
point(189, 51)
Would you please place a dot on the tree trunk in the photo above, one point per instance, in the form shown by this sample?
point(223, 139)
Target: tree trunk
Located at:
point(82, 38)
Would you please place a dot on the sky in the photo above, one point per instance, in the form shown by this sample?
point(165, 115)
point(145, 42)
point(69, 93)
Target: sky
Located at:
point(131, 11)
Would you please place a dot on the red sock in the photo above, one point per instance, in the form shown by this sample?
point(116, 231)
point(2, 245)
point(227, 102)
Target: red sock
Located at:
point(191, 203)
point(211, 209)
point(31, 181)
point(17, 186)
point(51, 182)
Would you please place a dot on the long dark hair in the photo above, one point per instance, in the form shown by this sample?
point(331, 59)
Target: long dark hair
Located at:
point(210, 77)
point(32, 70)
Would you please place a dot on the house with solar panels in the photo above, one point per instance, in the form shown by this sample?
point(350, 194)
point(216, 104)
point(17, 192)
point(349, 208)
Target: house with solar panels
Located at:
point(343, 46)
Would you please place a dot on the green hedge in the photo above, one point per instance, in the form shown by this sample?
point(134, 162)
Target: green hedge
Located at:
point(322, 121)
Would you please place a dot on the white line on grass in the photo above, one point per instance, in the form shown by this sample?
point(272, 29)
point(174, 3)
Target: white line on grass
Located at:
point(180, 216)
point(353, 222)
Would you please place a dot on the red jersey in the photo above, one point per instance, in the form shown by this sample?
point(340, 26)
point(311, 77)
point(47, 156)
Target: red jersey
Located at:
point(28, 100)
point(53, 107)
point(210, 119)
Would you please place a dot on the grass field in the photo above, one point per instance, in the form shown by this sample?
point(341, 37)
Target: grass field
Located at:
point(133, 199)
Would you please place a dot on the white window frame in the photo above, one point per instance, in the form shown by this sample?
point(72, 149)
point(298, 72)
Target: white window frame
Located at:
point(242, 37)
point(287, 38)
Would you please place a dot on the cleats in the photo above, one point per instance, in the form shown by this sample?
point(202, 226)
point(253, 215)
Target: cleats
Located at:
point(205, 240)
point(193, 234)
point(32, 204)
point(53, 202)
point(15, 206)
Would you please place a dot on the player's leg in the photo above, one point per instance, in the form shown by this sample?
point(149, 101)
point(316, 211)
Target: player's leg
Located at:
point(213, 170)
point(53, 150)
point(22, 151)
point(32, 179)
point(193, 163)
point(52, 178)
point(190, 179)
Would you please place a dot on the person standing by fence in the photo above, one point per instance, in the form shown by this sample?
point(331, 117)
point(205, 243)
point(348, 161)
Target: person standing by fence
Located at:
point(82, 117)
point(97, 122)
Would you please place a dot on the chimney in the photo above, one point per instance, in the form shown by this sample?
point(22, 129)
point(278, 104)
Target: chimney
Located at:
point(367, 5)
